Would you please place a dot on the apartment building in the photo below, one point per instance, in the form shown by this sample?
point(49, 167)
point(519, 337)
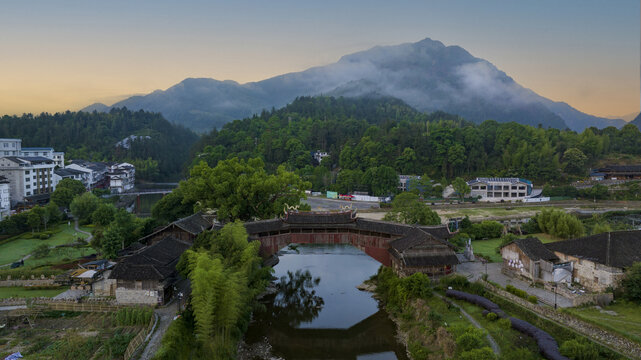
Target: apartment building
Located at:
point(27, 176)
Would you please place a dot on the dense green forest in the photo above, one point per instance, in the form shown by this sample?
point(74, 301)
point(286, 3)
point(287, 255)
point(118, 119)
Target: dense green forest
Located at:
point(93, 136)
point(365, 134)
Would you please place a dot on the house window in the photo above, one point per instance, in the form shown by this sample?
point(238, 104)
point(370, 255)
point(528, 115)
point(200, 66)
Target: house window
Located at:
point(6, 144)
point(28, 193)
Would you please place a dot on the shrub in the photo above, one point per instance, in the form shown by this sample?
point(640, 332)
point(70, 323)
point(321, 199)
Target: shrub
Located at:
point(504, 323)
point(418, 351)
point(580, 350)
point(492, 316)
point(455, 281)
point(485, 230)
point(533, 299)
point(41, 251)
point(484, 353)
point(632, 283)
point(435, 317)
point(518, 292)
point(470, 339)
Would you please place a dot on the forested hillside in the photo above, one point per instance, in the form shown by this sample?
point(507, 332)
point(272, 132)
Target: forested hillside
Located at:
point(93, 136)
point(374, 135)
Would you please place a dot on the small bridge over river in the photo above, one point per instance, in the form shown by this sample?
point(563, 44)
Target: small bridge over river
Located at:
point(141, 192)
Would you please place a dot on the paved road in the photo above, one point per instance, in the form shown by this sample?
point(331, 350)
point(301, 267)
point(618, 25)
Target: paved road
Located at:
point(474, 271)
point(165, 317)
point(324, 204)
point(495, 347)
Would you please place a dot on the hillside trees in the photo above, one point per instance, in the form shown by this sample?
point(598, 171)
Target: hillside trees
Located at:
point(95, 136)
point(360, 134)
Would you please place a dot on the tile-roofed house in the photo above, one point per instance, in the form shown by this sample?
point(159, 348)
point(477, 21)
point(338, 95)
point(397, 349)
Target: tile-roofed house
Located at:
point(619, 172)
point(596, 261)
point(147, 276)
point(185, 229)
point(419, 251)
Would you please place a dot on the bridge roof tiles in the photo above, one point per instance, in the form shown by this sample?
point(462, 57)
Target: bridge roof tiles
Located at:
point(319, 218)
point(195, 224)
point(432, 260)
point(263, 226)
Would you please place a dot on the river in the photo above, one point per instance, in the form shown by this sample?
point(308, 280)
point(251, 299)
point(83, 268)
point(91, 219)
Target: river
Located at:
point(319, 314)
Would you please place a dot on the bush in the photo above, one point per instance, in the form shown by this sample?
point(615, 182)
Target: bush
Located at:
point(485, 230)
point(632, 283)
point(484, 353)
point(580, 350)
point(418, 351)
point(455, 281)
point(504, 323)
point(533, 299)
point(470, 339)
point(41, 251)
point(491, 316)
point(518, 292)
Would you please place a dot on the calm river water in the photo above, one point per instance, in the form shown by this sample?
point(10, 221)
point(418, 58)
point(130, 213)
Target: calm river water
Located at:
point(319, 314)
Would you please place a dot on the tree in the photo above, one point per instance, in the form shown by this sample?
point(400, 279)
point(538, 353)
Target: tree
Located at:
point(66, 190)
point(632, 283)
point(558, 223)
point(51, 213)
point(461, 187)
point(574, 161)
point(111, 242)
point(34, 218)
point(406, 208)
point(103, 215)
point(242, 189)
point(381, 180)
point(83, 206)
point(172, 206)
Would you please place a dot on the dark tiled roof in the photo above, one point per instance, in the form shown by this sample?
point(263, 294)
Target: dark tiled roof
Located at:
point(319, 218)
point(430, 260)
point(30, 159)
point(385, 227)
point(263, 226)
point(68, 172)
point(535, 250)
point(155, 262)
point(620, 168)
point(439, 231)
point(617, 249)
point(195, 224)
point(412, 238)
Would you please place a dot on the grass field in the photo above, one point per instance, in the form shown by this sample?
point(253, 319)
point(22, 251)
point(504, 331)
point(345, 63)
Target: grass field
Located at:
point(488, 248)
point(21, 292)
point(24, 244)
point(480, 213)
point(627, 322)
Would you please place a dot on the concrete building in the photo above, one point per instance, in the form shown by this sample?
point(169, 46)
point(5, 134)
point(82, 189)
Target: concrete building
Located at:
point(596, 262)
point(121, 177)
point(408, 182)
point(96, 173)
point(59, 174)
point(5, 198)
point(28, 176)
point(500, 189)
point(10, 147)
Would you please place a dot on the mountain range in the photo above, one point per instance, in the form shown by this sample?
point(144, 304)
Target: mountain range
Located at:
point(427, 75)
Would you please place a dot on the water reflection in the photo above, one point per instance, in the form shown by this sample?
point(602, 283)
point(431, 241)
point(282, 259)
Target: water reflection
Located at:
point(296, 300)
point(319, 314)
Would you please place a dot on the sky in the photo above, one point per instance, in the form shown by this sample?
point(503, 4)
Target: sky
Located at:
point(66, 54)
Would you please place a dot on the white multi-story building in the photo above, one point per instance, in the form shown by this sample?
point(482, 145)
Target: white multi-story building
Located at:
point(500, 189)
point(59, 174)
point(28, 176)
point(96, 173)
point(5, 198)
point(13, 147)
point(121, 177)
point(10, 147)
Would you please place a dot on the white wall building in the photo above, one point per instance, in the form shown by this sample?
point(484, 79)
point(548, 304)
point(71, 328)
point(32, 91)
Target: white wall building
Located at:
point(5, 198)
point(96, 172)
point(320, 155)
point(121, 177)
point(59, 174)
point(27, 176)
point(500, 189)
point(10, 147)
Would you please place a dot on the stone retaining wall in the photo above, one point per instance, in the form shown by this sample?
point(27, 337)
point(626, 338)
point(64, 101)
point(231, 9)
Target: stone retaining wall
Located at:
point(612, 340)
point(28, 282)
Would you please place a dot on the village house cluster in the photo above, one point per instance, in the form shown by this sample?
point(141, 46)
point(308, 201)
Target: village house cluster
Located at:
point(28, 175)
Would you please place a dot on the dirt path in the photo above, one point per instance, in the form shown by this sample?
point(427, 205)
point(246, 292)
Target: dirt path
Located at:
point(495, 347)
point(165, 317)
point(75, 224)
